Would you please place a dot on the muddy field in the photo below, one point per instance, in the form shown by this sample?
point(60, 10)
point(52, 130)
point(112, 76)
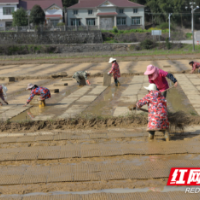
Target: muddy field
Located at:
point(86, 143)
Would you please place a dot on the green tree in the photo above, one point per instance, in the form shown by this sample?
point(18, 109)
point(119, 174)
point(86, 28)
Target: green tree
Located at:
point(142, 2)
point(20, 18)
point(37, 15)
point(68, 3)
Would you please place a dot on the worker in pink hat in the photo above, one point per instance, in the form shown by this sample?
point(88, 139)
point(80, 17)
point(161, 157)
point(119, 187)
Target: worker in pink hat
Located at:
point(158, 77)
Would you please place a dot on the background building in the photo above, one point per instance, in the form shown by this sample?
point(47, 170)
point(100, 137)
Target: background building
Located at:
point(106, 14)
point(6, 9)
point(53, 10)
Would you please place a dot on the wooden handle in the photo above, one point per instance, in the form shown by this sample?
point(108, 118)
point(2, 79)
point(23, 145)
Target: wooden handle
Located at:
point(142, 109)
point(167, 89)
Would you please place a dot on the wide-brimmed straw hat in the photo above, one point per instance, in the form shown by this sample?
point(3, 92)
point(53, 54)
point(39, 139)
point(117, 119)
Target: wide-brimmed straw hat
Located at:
point(150, 70)
point(151, 87)
point(30, 86)
point(111, 60)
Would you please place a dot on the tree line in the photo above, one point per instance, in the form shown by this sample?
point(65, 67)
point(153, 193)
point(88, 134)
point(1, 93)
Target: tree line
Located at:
point(160, 10)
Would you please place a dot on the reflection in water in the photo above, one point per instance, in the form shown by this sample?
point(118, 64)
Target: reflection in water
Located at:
point(34, 111)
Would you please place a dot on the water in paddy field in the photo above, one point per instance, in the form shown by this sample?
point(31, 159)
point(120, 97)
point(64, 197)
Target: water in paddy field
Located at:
point(29, 114)
point(106, 103)
point(178, 101)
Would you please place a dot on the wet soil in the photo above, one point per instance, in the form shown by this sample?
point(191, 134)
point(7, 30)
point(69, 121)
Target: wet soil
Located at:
point(84, 123)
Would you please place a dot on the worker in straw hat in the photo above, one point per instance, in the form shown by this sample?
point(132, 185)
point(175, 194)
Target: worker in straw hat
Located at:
point(157, 109)
point(195, 65)
point(37, 90)
point(81, 75)
point(114, 70)
point(158, 77)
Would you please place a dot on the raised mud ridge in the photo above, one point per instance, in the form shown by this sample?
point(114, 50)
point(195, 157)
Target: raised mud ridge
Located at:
point(131, 121)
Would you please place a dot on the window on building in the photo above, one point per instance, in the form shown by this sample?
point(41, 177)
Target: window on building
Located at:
point(54, 22)
point(75, 22)
point(8, 24)
point(8, 10)
point(135, 20)
point(121, 11)
point(90, 22)
point(135, 10)
point(75, 12)
point(121, 21)
point(90, 12)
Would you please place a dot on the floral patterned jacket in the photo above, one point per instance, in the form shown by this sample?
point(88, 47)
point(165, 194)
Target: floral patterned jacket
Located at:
point(115, 70)
point(157, 107)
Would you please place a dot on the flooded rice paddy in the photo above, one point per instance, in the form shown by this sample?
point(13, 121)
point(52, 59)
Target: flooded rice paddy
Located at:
point(100, 163)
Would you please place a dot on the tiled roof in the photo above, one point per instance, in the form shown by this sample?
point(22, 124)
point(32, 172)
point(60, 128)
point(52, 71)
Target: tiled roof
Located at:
point(107, 14)
point(53, 16)
point(9, 1)
point(96, 3)
point(44, 4)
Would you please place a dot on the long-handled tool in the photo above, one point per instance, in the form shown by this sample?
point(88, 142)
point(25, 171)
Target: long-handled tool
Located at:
point(167, 89)
point(134, 107)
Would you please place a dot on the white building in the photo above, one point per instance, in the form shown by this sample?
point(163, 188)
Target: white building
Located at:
point(6, 9)
point(53, 10)
point(106, 14)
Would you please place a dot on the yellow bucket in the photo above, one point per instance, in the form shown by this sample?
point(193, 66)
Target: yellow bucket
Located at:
point(42, 104)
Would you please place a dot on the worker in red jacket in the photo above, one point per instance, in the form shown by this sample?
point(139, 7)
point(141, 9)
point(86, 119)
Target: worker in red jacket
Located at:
point(195, 65)
point(36, 90)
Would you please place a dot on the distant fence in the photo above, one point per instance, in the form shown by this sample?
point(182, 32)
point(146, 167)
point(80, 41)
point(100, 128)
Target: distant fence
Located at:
point(48, 28)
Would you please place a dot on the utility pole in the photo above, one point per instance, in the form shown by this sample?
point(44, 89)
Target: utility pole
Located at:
point(192, 4)
point(169, 26)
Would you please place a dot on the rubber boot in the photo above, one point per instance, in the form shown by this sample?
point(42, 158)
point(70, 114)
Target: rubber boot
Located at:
point(167, 136)
point(118, 84)
point(151, 136)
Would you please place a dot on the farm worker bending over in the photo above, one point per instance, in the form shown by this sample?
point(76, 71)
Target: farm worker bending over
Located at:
point(157, 109)
point(3, 90)
point(195, 65)
point(157, 76)
point(81, 75)
point(36, 90)
point(115, 71)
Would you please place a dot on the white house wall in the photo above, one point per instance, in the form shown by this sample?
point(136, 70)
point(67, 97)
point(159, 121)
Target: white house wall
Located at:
point(82, 15)
point(128, 13)
point(54, 10)
point(6, 17)
point(106, 10)
point(2, 24)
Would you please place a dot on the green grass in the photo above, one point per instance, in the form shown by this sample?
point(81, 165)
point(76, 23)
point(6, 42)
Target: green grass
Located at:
point(133, 31)
point(189, 36)
point(187, 49)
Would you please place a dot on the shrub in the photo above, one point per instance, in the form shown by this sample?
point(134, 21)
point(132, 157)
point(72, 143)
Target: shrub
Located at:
point(147, 44)
point(165, 25)
point(20, 18)
point(115, 30)
point(61, 24)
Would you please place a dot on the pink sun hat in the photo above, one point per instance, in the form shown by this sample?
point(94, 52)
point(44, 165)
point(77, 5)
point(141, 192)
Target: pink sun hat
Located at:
point(150, 70)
